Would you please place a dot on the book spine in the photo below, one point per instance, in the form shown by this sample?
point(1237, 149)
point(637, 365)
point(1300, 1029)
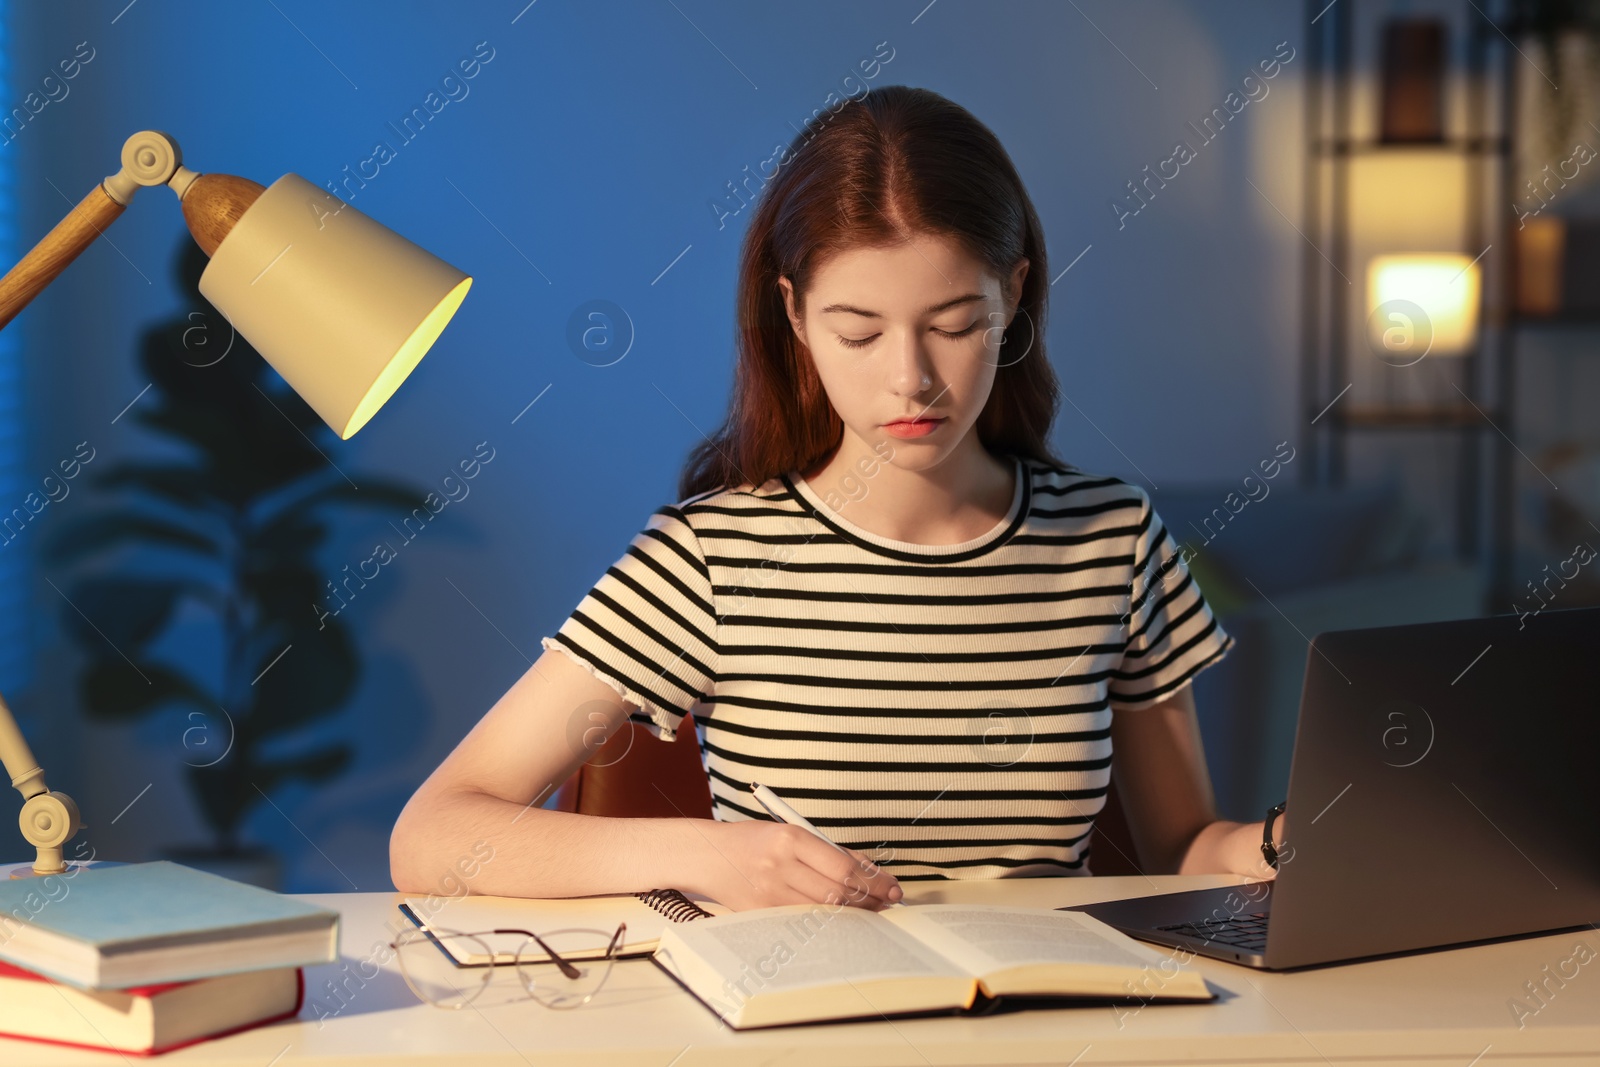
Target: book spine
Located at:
point(300, 998)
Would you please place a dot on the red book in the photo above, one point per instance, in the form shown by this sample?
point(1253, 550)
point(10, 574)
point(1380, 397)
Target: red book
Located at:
point(145, 1020)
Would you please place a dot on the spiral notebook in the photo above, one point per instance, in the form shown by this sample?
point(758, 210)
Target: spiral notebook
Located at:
point(647, 915)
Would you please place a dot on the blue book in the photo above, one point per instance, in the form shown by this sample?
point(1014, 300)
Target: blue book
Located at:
point(143, 923)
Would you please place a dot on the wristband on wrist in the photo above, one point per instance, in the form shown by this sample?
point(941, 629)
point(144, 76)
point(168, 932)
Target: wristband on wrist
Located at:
point(1268, 849)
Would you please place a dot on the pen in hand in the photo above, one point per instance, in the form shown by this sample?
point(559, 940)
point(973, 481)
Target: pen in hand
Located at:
point(784, 813)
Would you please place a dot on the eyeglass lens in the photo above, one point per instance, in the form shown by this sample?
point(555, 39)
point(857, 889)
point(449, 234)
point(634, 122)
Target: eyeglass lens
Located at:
point(451, 970)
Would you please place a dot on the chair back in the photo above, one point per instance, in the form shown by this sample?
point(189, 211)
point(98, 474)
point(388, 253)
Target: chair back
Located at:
point(637, 776)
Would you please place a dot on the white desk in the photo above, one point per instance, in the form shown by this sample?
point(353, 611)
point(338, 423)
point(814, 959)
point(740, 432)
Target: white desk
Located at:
point(1444, 1007)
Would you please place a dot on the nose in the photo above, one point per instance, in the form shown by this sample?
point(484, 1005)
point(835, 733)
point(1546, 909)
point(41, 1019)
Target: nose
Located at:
point(912, 370)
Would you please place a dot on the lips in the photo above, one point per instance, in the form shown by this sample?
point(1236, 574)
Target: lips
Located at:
point(912, 422)
point(908, 429)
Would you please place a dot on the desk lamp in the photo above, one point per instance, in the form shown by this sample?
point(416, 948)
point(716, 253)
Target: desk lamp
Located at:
point(340, 306)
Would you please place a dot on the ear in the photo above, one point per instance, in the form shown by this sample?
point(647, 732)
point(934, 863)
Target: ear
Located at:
point(1017, 277)
point(788, 303)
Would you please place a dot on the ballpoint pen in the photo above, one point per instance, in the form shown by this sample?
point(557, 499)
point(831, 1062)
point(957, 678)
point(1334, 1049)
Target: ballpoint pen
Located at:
point(784, 813)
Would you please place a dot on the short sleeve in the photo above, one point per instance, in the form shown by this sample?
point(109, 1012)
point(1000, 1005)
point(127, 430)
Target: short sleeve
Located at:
point(1171, 633)
point(648, 627)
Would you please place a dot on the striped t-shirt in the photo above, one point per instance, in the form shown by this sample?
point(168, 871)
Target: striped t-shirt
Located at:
point(945, 709)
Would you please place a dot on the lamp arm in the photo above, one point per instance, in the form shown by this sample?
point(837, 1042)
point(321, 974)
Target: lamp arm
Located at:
point(59, 247)
point(25, 772)
point(149, 157)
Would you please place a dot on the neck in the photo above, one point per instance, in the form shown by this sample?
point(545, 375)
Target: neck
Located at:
point(961, 498)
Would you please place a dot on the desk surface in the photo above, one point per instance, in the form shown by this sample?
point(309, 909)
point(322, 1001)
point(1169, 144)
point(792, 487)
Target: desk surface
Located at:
point(1446, 1007)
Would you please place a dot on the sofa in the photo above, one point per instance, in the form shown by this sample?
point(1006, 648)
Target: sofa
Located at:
point(1280, 567)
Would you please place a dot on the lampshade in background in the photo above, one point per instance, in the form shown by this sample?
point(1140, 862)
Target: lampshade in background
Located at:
point(340, 305)
point(1411, 108)
point(1445, 287)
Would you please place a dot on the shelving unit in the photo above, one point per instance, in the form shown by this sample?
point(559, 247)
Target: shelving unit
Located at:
point(1330, 285)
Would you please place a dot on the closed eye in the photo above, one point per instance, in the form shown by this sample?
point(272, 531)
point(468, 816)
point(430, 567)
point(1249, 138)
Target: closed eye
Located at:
point(864, 341)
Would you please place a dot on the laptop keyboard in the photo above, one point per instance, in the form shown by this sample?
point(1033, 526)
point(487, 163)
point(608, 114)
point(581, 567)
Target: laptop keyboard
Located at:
point(1248, 932)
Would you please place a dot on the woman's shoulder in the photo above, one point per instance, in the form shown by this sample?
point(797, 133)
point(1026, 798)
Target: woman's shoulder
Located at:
point(744, 500)
point(1061, 479)
point(733, 495)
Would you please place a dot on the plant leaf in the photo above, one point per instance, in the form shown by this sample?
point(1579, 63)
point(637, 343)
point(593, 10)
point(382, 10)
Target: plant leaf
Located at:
point(286, 593)
point(204, 428)
point(178, 484)
point(225, 794)
point(373, 493)
point(97, 533)
point(113, 690)
point(313, 678)
point(127, 612)
point(316, 766)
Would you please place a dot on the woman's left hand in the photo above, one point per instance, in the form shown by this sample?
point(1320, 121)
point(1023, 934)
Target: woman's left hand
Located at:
point(1244, 855)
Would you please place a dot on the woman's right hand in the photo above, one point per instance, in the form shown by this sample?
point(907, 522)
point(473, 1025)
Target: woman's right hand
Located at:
point(753, 863)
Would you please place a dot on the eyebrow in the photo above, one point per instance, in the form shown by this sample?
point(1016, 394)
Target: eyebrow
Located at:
point(969, 298)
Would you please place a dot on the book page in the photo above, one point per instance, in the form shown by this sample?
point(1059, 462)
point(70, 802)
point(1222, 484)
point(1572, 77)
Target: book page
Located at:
point(807, 962)
point(984, 938)
point(802, 945)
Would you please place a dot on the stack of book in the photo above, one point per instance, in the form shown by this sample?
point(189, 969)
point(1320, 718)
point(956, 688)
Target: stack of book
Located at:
point(147, 957)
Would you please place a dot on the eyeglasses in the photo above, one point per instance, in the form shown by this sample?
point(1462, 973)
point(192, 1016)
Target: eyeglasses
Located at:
point(559, 968)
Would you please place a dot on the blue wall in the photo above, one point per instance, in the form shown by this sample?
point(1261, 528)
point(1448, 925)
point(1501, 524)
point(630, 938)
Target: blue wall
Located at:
point(583, 160)
point(16, 632)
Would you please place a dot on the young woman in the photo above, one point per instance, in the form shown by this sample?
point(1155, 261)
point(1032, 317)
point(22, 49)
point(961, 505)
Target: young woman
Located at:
point(882, 594)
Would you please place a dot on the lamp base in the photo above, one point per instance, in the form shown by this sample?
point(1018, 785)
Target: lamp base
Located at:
point(26, 871)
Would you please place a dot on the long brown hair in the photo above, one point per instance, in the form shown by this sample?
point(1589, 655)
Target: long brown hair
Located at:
point(897, 160)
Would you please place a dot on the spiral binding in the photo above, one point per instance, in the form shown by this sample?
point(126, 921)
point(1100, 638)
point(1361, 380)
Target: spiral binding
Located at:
point(674, 905)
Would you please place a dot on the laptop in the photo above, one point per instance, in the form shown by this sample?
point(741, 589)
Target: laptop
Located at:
point(1444, 789)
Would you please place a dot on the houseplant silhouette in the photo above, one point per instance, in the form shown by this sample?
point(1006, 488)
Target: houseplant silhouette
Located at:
point(232, 525)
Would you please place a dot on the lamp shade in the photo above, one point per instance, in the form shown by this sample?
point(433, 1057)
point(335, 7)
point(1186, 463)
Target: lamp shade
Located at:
point(340, 305)
point(1442, 287)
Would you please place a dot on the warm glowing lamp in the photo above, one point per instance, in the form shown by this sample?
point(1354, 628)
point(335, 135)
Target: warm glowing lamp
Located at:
point(1423, 301)
point(340, 305)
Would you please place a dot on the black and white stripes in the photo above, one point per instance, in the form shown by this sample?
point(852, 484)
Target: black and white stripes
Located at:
point(944, 708)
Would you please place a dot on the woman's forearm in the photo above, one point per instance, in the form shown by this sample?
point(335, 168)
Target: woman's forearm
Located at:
point(453, 837)
point(1227, 847)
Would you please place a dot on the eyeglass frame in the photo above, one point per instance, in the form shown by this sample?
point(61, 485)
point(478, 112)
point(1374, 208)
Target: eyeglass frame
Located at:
point(566, 968)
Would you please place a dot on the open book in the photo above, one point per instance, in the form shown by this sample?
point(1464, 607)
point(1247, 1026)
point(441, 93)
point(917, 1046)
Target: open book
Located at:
point(812, 962)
